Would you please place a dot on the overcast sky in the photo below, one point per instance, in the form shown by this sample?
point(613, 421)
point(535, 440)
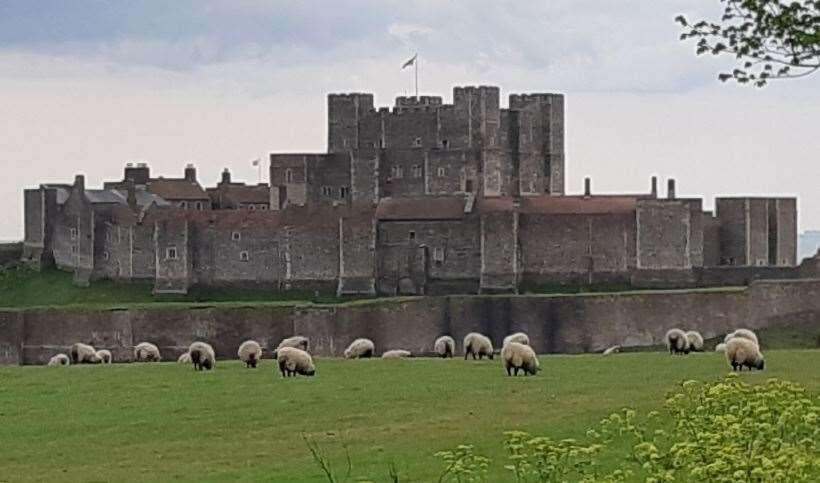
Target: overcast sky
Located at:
point(88, 85)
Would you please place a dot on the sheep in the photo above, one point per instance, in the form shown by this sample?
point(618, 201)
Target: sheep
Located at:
point(743, 352)
point(250, 352)
point(396, 354)
point(297, 341)
point(293, 361)
point(359, 349)
point(445, 346)
point(59, 360)
point(519, 337)
point(146, 352)
point(202, 355)
point(84, 354)
point(612, 350)
point(677, 342)
point(477, 345)
point(184, 358)
point(105, 356)
point(695, 340)
point(517, 356)
point(720, 347)
point(744, 333)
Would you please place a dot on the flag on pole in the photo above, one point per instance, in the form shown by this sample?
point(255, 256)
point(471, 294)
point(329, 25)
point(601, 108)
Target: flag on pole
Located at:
point(410, 62)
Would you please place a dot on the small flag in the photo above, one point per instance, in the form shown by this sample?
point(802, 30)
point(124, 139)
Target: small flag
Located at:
point(256, 162)
point(410, 62)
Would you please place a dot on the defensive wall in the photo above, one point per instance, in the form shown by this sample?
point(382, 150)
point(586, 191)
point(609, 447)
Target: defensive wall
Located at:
point(556, 324)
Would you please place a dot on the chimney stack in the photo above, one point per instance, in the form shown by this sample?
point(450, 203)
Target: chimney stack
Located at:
point(132, 194)
point(226, 176)
point(654, 186)
point(140, 173)
point(190, 173)
point(79, 183)
point(587, 187)
point(670, 189)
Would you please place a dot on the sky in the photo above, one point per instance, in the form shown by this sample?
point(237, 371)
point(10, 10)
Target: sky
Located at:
point(88, 85)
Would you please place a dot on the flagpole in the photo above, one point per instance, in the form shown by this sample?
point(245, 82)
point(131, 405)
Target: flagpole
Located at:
point(416, 68)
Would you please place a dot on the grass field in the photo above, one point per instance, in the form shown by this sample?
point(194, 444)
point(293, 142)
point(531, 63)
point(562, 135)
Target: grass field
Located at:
point(161, 422)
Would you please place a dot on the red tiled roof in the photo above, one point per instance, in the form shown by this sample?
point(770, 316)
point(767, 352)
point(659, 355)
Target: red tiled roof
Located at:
point(238, 194)
point(421, 208)
point(177, 189)
point(561, 205)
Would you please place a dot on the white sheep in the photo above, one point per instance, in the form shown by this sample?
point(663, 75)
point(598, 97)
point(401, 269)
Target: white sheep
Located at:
point(359, 349)
point(250, 352)
point(517, 356)
point(184, 358)
point(743, 333)
point(202, 355)
point(743, 352)
point(445, 346)
point(695, 340)
point(84, 354)
point(105, 356)
point(146, 352)
point(293, 361)
point(478, 346)
point(677, 342)
point(396, 354)
point(612, 350)
point(59, 360)
point(720, 347)
point(519, 337)
point(297, 341)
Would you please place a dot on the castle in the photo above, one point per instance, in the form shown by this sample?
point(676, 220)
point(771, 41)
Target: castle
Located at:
point(425, 198)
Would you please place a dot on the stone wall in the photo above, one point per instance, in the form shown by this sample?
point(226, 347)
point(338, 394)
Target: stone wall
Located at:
point(568, 324)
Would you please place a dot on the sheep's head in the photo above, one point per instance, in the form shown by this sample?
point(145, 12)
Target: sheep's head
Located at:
point(760, 364)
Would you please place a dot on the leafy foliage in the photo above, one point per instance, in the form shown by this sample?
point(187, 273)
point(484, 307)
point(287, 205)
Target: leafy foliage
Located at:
point(770, 39)
point(463, 465)
point(725, 431)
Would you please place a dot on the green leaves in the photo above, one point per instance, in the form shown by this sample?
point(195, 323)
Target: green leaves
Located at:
point(761, 35)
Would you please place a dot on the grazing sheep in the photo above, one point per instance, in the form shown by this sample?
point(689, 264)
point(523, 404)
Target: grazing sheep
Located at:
point(519, 337)
point(360, 349)
point(743, 352)
point(185, 358)
point(612, 350)
point(720, 347)
point(105, 356)
point(743, 333)
point(695, 340)
point(59, 360)
point(297, 341)
point(146, 352)
point(202, 355)
point(445, 346)
point(677, 342)
point(517, 356)
point(84, 354)
point(250, 352)
point(293, 361)
point(396, 354)
point(478, 346)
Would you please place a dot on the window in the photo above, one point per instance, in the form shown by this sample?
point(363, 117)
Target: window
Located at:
point(73, 232)
point(438, 255)
point(252, 207)
point(417, 171)
point(417, 143)
point(244, 257)
point(412, 235)
point(73, 248)
point(397, 172)
point(344, 192)
point(263, 207)
point(199, 206)
point(382, 143)
point(183, 205)
point(171, 253)
point(288, 175)
point(106, 256)
point(327, 191)
point(445, 144)
point(441, 172)
point(236, 236)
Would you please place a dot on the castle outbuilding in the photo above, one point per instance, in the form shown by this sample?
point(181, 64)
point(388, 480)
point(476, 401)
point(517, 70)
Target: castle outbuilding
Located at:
point(423, 198)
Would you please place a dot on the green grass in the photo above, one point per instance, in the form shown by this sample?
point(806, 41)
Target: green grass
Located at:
point(165, 422)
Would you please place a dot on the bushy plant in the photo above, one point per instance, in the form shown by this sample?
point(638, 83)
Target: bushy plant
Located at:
point(463, 465)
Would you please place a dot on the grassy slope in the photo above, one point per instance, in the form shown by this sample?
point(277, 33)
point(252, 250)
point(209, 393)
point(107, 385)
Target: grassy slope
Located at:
point(166, 422)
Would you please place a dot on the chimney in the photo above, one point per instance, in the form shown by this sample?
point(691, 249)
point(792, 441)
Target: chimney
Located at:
point(79, 183)
point(587, 187)
point(654, 186)
point(139, 174)
point(226, 176)
point(190, 173)
point(670, 189)
point(132, 194)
